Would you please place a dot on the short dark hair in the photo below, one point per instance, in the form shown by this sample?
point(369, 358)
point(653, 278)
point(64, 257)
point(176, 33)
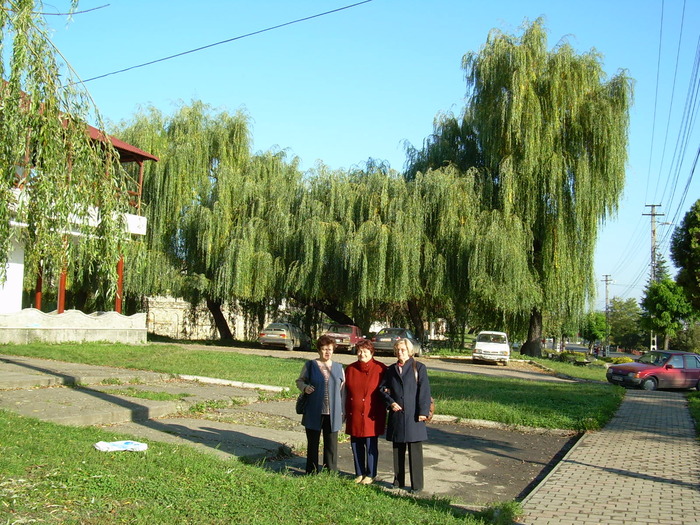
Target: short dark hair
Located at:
point(325, 340)
point(364, 343)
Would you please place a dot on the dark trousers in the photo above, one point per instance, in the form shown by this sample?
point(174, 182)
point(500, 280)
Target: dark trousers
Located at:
point(415, 461)
point(365, 453)
point(330, 447)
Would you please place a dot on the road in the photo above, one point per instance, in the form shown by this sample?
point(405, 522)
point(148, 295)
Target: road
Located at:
point(515, 369)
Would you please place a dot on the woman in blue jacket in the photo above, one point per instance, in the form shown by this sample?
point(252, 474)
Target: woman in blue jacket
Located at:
point(406, 392)
point(323, 381)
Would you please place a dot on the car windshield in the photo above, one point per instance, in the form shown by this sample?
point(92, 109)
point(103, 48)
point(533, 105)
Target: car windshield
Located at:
point(654, 358)
point(340, 329)
point(391, 331)
point(276, 326)
point(491, 338)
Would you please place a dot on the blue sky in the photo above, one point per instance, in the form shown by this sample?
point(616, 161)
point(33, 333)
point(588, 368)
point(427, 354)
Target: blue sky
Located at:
point(361, 82)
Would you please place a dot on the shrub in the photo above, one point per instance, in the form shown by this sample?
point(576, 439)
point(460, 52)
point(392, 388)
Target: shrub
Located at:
point(568, 357)
point(620, 360)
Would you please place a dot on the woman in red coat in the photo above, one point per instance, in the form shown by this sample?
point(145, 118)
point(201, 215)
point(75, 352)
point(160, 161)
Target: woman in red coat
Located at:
point(365, 410)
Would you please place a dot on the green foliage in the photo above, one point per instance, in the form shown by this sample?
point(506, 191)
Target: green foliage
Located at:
point(570, 357)
point(544, 138)
point(685, 253)
point(594, 327)
point(54, 176)
point(554, 139)
point(624, 318)
point(621, 360)
point(503, 514)
point(665, 308)
point(688, 338)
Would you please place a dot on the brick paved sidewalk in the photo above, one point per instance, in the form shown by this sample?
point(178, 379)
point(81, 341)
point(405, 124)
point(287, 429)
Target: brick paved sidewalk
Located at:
point(643, 467)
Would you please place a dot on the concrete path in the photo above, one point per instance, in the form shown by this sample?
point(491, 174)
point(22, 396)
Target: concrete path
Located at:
point(643, 467)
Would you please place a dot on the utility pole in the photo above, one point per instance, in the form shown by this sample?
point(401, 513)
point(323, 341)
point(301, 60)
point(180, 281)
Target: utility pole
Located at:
point(653, 215)
point(607, 280)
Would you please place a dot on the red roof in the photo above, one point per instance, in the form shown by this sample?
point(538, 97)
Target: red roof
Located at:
point(127, 152)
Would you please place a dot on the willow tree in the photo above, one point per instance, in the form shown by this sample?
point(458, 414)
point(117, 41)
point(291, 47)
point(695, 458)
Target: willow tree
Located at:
point(218, 215)
point(550, 130)
point(62, 193)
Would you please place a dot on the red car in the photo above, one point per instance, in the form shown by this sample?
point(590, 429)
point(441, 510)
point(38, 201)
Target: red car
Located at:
point(346, 336)
point(658, 369)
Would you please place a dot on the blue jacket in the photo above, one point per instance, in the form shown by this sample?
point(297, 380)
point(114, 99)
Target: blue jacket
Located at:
point(312, 375)
point(412, 395)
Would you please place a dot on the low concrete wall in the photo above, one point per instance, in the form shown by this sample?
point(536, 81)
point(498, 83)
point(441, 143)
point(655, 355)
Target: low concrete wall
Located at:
point(173, 317)
point(32, 325)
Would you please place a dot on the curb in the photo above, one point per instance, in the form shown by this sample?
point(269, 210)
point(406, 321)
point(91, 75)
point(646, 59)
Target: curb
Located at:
point(551, 472)
point(485, 423)
point(227, 382)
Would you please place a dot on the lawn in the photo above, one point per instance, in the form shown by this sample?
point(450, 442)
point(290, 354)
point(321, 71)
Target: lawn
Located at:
point(572, 406)
point(52, 473)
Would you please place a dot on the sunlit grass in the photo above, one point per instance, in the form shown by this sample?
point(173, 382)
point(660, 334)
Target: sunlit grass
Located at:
point(545, 404)
point(52, 473)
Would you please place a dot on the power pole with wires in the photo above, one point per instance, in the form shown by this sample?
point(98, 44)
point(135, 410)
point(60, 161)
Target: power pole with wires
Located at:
point(653, 276)
point(607, 280)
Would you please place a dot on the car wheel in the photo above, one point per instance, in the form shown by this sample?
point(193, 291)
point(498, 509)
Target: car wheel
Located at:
point(352, 349)
point(649, 384)
point(417, 350)
point(290, 346)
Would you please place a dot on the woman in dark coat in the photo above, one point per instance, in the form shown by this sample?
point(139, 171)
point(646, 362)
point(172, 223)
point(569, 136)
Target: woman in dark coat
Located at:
point(365, 411)
point(323, 381)
point(406, 392)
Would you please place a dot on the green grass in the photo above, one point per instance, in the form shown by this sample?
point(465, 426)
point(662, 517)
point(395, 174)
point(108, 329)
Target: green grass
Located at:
point(593, 372)
point(148, 394)
point(545, 404)
point(52, 473)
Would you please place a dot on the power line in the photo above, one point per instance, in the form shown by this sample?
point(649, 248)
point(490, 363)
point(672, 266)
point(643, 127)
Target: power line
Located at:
point(227, 41)
point(656, 96)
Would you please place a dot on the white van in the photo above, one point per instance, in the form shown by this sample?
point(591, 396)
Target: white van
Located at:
point(492, 346)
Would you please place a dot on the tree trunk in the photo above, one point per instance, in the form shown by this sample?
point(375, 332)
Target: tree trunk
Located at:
point(220, 320)
point(532, 346)
point(329, 309)
point(416, 319)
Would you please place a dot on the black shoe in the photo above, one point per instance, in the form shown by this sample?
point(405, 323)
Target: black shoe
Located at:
point(397, 484)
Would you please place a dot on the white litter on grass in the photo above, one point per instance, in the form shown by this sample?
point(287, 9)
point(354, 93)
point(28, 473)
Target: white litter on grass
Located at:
point(116, 446)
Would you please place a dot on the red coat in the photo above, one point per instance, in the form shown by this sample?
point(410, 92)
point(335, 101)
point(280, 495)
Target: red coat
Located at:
point(365, 410)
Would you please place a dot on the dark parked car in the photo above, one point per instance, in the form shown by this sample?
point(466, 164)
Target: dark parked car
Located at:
point(386, 337)
point(346, 336)
point(286, 335)
point(658, 369)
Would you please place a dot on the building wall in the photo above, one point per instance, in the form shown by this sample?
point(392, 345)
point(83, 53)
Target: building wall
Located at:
point(11, 289)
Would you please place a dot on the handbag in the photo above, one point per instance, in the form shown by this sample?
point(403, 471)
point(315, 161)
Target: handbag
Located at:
point(301, 403)
point(303, 398)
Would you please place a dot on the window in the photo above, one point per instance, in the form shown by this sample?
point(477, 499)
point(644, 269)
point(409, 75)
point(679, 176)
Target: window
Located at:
point(676, 361)
point(692, 361)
